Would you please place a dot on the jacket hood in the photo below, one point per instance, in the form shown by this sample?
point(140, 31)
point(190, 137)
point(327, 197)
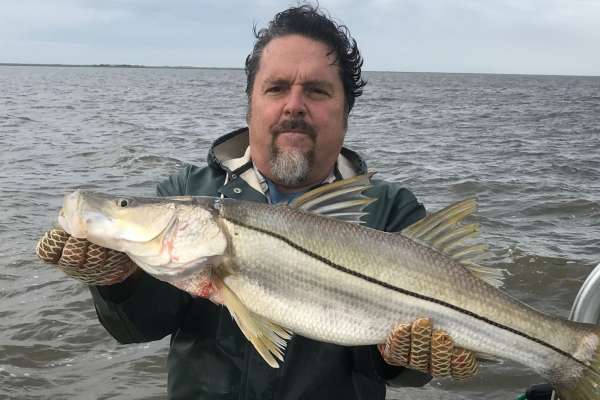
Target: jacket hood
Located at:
point(229, 152)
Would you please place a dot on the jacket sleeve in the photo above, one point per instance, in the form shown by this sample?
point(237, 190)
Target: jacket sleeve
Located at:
point(142, 308)
point(395, 209)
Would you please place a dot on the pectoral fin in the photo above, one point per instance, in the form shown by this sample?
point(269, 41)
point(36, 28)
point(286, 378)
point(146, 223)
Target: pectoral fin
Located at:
point(269, 339)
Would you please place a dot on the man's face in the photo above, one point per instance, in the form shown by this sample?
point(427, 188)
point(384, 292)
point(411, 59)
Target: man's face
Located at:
point(297, 116)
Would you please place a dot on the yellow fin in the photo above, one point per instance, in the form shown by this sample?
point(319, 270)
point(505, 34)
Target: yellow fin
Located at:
point(444, 231)
point(342, 199)
point(437, 223)
point(268, 338)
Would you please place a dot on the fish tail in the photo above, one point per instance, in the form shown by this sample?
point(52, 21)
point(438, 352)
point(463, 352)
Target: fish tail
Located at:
point(586, 386)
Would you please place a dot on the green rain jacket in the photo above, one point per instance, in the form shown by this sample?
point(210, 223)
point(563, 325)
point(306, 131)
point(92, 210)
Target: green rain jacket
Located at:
point(209, 357)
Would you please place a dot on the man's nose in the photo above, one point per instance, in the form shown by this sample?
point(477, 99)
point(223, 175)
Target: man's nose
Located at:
point(295, 105)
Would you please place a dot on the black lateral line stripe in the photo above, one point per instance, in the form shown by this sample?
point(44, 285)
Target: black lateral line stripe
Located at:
point(409, 293)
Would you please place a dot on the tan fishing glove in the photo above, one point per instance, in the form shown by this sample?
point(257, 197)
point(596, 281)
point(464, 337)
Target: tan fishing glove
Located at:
point(419, 346)
point(83, 260)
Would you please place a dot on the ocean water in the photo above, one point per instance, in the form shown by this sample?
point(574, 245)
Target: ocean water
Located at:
point(527, 147)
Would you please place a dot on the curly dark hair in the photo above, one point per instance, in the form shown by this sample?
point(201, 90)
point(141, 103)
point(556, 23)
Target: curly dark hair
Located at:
point(309, 21)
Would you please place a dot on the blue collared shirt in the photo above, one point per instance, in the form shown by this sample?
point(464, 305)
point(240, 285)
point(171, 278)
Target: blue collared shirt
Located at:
point(275, 196)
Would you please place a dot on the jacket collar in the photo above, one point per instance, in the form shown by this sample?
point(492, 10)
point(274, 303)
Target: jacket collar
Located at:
point(231, 153)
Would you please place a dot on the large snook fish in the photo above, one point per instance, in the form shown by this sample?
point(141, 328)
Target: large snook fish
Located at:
point(282, 270)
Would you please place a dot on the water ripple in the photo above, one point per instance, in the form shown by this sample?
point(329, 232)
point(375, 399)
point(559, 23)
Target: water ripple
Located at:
point(526, 147)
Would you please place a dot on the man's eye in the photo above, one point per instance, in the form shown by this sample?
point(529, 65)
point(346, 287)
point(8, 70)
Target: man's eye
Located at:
point(275, 89)
point(319, 92)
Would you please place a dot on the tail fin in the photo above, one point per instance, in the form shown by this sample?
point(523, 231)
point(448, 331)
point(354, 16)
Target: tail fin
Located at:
point(587, 385)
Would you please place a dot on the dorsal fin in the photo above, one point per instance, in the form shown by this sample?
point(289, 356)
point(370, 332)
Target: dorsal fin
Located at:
point(444, 231)
point(342, 199)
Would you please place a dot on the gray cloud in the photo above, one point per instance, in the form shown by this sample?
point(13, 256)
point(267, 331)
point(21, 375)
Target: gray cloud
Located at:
point(534, 36)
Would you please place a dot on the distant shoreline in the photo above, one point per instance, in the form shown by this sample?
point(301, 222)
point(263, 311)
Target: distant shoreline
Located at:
point(110, 66)
point(241, 69)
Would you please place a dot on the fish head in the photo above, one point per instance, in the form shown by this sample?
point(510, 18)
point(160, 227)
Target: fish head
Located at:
point(113, 221)
point(170, 238)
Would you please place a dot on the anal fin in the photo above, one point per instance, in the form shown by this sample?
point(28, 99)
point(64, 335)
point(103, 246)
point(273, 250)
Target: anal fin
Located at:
point(268, 338)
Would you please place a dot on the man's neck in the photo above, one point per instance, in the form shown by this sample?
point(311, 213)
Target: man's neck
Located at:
point(289, 192)
point(294, 189)
point(305, 186)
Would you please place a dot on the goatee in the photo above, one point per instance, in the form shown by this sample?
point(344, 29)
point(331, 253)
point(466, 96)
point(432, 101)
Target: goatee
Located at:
point(291, 167)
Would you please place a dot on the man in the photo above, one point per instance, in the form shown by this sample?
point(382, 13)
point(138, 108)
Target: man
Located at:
point(303, 76)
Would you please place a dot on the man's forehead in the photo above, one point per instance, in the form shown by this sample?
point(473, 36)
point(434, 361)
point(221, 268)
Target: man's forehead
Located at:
point(302, 80)
point(298, 57)
point(282, 44)
point(303, 77)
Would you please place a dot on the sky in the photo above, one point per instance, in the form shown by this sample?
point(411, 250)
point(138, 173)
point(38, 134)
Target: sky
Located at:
point(557, 37)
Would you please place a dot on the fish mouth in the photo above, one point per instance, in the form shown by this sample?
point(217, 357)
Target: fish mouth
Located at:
point(76, 219)
point(69, 218)
point(98, 218)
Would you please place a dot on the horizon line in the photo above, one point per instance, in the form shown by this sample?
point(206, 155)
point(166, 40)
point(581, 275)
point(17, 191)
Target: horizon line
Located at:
point(107, 65)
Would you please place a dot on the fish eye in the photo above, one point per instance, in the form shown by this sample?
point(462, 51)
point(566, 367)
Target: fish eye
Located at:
point(122, 203)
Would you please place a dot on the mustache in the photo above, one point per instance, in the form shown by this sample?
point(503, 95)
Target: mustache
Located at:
point(294, 125)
